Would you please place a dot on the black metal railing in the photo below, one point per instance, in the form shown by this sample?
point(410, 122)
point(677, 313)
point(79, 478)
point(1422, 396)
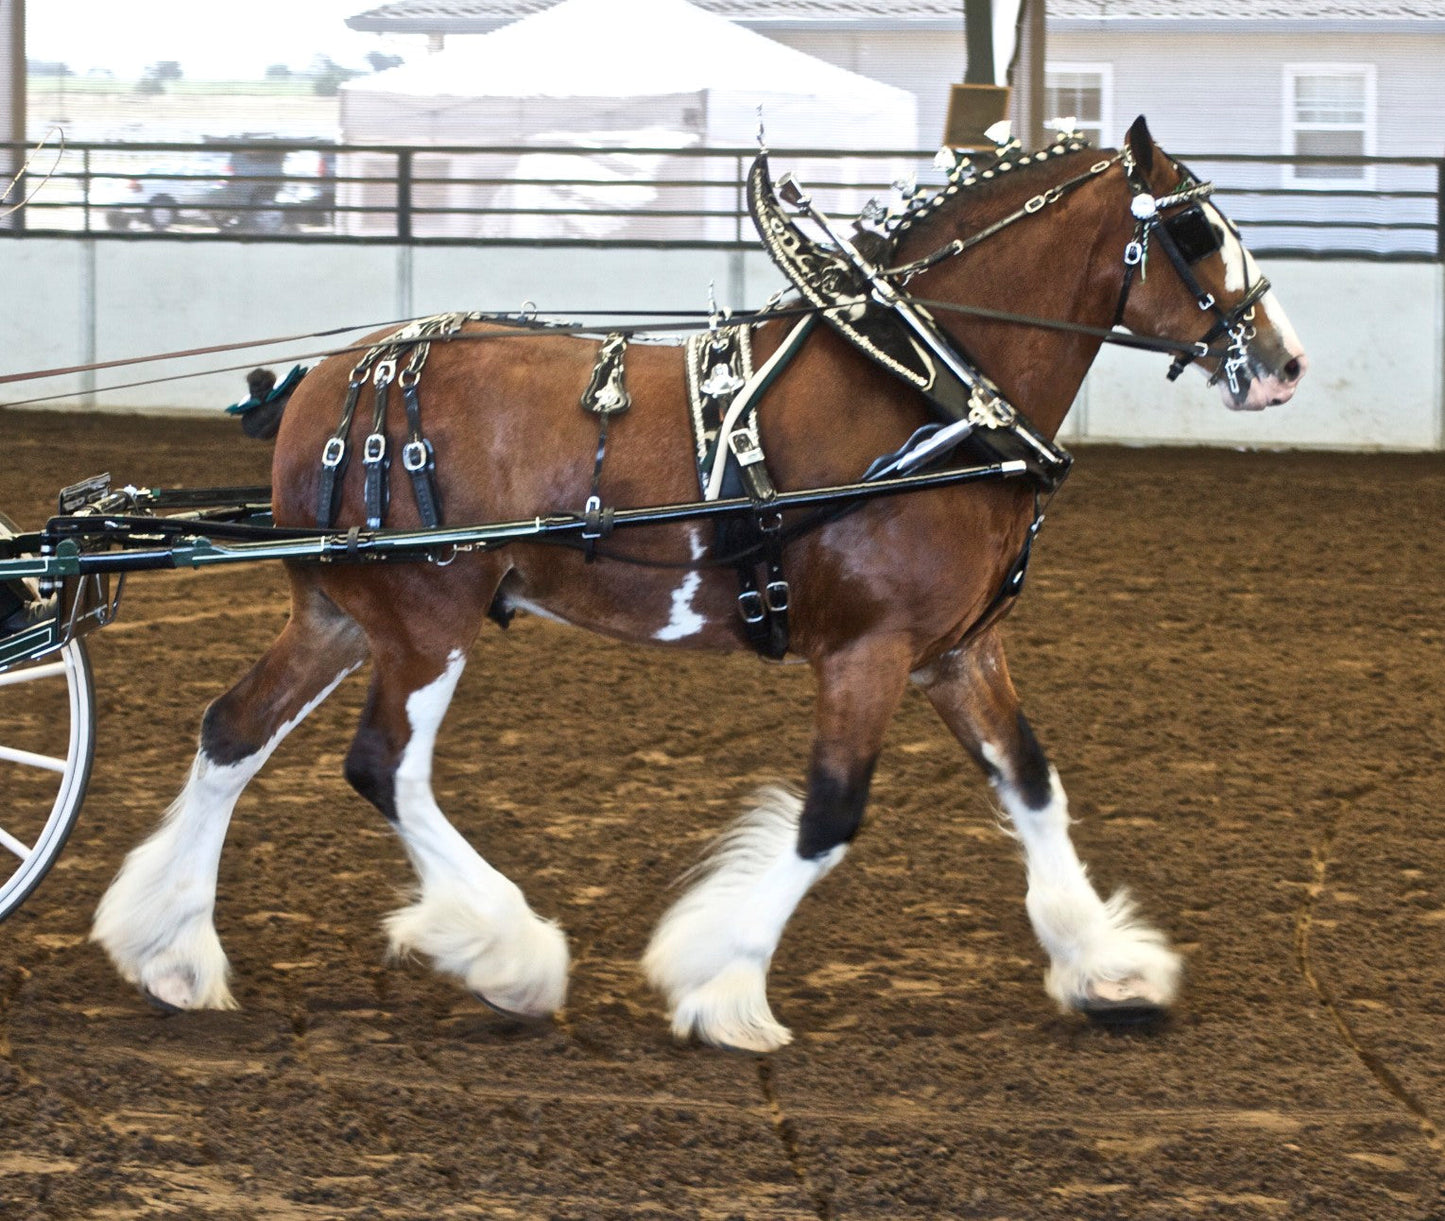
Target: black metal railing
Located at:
point(1373, 207)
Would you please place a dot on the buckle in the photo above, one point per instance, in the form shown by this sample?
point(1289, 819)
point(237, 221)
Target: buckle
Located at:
point(413, 456)
point(375, 448)
point(333, 452)
point(595, 523)
point(777, 596)
point(746, 447)
point(750, 606)
point(385, 371)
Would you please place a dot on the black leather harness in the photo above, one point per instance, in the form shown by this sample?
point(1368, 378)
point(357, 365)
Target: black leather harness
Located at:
point(379, 367)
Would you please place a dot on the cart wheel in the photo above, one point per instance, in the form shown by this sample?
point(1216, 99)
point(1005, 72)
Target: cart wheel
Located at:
point(47, 743)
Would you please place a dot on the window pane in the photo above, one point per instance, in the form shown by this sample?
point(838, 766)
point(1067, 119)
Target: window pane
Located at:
point(1077, 93)
point(1325, 143)
point(1330, 99)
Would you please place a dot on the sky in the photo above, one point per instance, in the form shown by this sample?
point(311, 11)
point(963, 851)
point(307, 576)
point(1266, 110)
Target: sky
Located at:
point(210, 42)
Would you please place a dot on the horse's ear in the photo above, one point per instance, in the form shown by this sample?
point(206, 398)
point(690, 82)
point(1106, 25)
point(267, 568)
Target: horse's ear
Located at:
point(1141, 144)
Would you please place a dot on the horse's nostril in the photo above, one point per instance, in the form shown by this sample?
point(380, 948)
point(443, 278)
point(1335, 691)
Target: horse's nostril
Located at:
point(1293, 370)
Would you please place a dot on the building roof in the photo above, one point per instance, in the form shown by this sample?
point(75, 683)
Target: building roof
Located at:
point(478, 16)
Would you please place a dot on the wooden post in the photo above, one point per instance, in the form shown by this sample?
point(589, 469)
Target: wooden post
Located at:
point(1030, 88)
point(980, 101)
point(12, 55)
point(978, 33)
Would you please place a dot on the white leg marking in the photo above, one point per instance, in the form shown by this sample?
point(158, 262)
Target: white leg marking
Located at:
point(710, 954)
point(1097, 951)
point(156, 920)
point(685, 621)
point(472, 921)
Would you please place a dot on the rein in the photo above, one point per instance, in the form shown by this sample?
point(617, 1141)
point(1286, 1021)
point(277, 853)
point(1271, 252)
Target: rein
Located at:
point(1234, 323)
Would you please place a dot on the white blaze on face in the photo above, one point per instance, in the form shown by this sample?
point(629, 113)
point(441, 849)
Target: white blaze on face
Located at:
point(1240, 271)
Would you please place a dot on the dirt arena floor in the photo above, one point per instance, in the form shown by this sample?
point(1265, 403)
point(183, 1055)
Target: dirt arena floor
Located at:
point(1236, 661)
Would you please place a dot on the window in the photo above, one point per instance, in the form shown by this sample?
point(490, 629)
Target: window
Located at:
point(1329, 109)
point(1086, 92)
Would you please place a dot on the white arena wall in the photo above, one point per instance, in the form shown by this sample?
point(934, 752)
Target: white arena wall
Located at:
point(1374, 331)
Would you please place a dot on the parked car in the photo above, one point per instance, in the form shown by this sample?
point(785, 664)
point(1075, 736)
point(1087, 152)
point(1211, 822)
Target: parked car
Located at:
point(248, 188)
point(162, 193)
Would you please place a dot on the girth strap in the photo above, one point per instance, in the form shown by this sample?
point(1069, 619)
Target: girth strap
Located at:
point(724, 392)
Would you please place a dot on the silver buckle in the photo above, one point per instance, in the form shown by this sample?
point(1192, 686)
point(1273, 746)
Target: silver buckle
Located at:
point(413, 456)
point(333, 453)
point(375, 448)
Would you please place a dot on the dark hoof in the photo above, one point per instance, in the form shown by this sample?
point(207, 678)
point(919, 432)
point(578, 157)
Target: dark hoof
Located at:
point(1122, 1014)
point(531, 1019)
point(165, 1008)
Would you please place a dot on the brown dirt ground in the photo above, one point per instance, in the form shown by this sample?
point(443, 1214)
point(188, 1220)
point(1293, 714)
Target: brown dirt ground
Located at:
point(1234, 658)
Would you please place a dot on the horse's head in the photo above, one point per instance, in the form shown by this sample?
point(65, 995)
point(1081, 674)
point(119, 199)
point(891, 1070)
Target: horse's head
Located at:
point(1188, 276)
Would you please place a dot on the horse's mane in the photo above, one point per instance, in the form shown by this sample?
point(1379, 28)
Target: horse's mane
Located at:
point(982, 183)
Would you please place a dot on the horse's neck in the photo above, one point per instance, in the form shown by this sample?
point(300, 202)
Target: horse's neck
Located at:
point(1052, 265)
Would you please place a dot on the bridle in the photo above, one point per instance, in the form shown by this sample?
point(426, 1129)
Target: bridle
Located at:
point(1187, 237)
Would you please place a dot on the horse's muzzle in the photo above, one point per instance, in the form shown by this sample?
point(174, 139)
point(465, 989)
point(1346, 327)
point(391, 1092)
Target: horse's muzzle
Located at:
point(1268, 385)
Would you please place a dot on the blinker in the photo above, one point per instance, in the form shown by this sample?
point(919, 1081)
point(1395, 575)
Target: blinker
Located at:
point(1195, 237)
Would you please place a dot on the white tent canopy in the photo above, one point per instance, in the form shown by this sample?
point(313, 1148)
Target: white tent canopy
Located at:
point(601, 73)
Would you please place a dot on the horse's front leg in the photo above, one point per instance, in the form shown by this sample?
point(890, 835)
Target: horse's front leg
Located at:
point(1103, 960)
point(710, 954)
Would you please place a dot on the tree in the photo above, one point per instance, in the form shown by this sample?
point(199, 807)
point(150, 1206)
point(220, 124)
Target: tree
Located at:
point(327, 76)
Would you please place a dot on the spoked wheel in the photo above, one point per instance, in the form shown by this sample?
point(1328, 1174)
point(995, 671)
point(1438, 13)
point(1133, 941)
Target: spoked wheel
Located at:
point(47, 744)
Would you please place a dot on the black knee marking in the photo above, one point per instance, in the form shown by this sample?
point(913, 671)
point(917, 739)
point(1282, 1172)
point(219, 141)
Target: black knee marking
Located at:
point(221, 742)
point(1025, 768)
point(371, 769)
point(1032, 775)
point(833, 811)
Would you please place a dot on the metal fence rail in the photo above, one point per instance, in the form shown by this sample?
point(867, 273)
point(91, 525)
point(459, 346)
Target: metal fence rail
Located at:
point(1318, 207)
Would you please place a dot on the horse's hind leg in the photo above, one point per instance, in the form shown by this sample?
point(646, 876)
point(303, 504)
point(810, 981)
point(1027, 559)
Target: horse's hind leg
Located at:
point(710, 954)
point(155, 920)
point(1103, 960)
point(468, 918)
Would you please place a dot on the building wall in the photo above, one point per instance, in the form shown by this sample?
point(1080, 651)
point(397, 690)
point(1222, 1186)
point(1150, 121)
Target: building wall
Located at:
point(1373, 331)
point(1201, 90)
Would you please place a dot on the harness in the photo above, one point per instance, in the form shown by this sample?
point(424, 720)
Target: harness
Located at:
point(606, 395)
point(849, 284)
point(379, 366)
point(723, 393)
point(1186, 238)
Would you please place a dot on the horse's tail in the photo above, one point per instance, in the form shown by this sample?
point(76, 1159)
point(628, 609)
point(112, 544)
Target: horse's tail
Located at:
point(261, 412)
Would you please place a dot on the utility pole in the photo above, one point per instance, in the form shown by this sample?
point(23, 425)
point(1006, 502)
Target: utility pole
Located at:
point(1030, 88)
point(12, 108)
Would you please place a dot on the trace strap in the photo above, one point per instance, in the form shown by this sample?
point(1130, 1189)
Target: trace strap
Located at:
point(379, 366)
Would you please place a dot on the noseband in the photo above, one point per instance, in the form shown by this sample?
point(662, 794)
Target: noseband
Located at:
point(1187, 237)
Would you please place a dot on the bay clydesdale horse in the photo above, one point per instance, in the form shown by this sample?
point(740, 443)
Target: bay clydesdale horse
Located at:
point(882, 597)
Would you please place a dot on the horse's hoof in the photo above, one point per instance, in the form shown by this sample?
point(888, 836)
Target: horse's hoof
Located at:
point(163, 1007)
point(513, 1015)
point(1119, 1003)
